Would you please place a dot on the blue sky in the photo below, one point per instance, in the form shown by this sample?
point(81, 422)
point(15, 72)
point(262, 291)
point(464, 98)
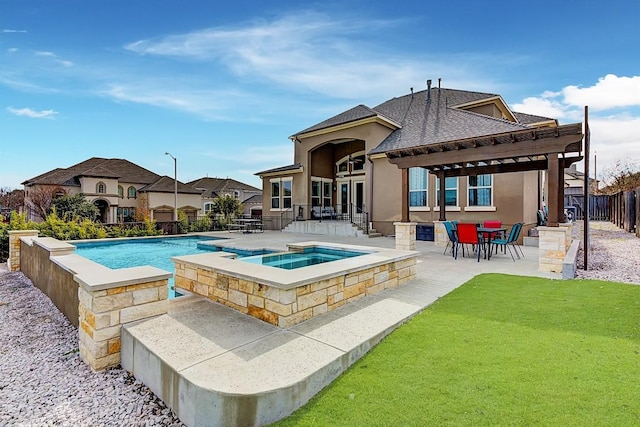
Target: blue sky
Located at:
point(223, 85)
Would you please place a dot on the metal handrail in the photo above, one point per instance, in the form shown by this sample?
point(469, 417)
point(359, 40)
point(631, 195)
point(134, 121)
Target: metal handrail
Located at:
point(350, 213)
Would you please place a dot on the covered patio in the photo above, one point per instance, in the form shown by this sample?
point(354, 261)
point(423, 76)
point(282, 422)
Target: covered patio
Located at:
point(551, 149)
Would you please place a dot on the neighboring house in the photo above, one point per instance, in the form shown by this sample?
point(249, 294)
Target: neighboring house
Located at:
point(574, 182)
point(345, 164)
point(118, 188)
point(251, 197)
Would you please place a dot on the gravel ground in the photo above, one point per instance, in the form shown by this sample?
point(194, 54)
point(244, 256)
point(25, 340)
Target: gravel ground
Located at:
point(43, 381)
point(613, 254)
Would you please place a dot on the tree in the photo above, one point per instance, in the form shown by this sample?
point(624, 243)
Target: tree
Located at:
point(228, 206)
point(623, 175)
point(74, 207)
point(11, 200)
point(142, 211)
point(38, 200)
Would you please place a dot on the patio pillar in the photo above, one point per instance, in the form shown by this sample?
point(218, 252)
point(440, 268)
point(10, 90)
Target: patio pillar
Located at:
point(405, 235)
point(405, 195)
point(554, 182)
point(442, 202)
point(553, 245)
point(13, 262)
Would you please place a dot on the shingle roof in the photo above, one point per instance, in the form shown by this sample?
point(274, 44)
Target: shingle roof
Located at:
point(221, 184)
point(280, 169)
point(432, 122)
point(356, 113)
point(166, 184)
point(253, 199)
point(98, 167)
point(528, 119)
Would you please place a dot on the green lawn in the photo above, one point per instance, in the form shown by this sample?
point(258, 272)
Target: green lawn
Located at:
point(499, 350)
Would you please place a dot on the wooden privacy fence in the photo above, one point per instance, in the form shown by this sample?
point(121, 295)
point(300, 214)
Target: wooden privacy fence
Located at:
point(625, 210)
point(599, 206)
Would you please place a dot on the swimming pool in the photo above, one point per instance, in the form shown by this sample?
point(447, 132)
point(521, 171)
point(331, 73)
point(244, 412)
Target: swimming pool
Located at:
point(305, 258)
point(156, 252)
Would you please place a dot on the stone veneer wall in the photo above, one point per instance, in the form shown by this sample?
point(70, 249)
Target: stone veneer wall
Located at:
point(287, 307)
point(94, 298)
point(13, 262)
point(103, 312)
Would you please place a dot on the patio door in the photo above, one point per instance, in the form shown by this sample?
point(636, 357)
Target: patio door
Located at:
point(351, 197)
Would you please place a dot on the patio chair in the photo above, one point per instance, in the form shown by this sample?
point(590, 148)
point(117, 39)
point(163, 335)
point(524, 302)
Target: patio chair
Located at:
point(510, 241)
point(451, 233)
point(468, 235)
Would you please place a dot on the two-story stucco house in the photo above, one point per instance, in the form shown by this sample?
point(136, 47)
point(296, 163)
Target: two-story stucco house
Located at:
point(251, 197)
point(118, 188)
point(345, 164)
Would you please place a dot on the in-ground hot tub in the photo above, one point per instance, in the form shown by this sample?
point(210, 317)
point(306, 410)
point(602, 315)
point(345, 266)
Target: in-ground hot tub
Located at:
point(285, 297)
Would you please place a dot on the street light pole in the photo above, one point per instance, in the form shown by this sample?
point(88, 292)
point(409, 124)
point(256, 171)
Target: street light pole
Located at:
point(175, 186)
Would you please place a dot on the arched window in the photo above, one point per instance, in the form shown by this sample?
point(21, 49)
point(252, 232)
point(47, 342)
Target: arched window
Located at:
point(120, 191)
point(101, 188)
point(131, 193)
point(208, 207)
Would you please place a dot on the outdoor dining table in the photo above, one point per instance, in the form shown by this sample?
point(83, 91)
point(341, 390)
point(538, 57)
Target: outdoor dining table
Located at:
point(250, 225)
point(489, 231)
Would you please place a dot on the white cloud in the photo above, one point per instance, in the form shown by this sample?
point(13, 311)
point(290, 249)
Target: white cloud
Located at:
point(12, 49)
point(28, 112)
point(614, 118)
point(44, 53)
point(308, 52)
point(611, 91)
point(13, 31)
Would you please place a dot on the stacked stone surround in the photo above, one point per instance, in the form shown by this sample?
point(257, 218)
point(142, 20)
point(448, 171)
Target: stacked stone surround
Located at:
point(440, 236)
point(405, 235)
point(553, 244)
point(107, 298)
point(288, 307)
point(104, 311)
point(13, 262)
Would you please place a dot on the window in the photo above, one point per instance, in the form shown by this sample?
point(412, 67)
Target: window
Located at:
point(131, 193)
point(101, 188)
point(208, 208)
point(126, 214)
point(481, 190)
point(450, 191)
point(236, 194)
point(275, 194)
point(321, 191)
point(281, 193)
point(120, 191)
point(418, 179)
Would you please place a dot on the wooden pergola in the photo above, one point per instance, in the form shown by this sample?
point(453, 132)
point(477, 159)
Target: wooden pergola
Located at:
point(549, 148)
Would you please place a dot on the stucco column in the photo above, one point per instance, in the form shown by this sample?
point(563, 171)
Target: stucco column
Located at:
point(13, 262)
point(405, 235)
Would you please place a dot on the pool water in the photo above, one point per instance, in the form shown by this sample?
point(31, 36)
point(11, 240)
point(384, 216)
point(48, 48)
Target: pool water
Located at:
point(310, 256)
point(139, 252)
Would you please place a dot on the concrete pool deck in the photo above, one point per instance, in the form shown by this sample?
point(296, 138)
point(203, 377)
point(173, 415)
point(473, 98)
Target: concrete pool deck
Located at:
point(215, 366)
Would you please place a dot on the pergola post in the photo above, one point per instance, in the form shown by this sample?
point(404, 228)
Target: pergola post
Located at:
point(442, 200)
point(405, 195)
point(554, 182)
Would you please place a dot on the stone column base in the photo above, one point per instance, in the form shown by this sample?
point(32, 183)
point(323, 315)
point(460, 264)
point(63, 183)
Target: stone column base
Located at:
point(552, 247)
point(13, 262)
point(405, 235)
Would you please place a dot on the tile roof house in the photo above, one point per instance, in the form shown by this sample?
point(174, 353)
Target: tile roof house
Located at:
point(118, 188)
point(345, 162)
point(251, 197)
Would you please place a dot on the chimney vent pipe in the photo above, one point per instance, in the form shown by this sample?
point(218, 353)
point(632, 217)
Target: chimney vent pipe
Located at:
point(429, 90)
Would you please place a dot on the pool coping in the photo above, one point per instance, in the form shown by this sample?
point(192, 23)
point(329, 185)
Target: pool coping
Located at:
point(227, 263)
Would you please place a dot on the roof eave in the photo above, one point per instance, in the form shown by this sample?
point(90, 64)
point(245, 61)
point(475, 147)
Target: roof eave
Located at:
point(381, 120)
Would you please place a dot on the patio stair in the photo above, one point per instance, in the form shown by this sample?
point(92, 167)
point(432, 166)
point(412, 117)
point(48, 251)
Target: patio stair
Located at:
point(328, 228)
point(374, 233)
